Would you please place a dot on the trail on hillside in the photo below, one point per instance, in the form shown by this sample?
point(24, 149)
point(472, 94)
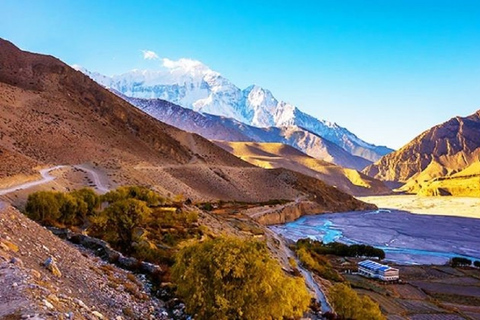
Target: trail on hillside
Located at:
point(99, 186)
point(47, 177)
point(307, 275)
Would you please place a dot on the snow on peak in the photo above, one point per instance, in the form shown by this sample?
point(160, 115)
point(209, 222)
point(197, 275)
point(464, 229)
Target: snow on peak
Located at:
point(193, 85)
point(186, 65)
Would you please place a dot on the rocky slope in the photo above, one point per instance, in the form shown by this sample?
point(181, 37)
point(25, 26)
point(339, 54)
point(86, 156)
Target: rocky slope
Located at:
point(277, 155)
point(222, 128)
point(193, 85)
point(438, 153)
point(79, 286)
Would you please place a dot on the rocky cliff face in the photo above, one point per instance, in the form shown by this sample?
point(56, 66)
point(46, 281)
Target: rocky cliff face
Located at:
point(292, 211)
point(42, 277)
point(438, 152)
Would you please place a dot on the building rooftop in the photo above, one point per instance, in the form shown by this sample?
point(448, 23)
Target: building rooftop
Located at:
point(374, 266)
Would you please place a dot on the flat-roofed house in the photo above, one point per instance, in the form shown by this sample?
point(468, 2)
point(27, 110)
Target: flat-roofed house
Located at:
point(372, 269)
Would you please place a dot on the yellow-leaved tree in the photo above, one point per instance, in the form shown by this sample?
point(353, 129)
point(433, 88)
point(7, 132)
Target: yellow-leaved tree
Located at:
point(349, 305)
point(231, 278)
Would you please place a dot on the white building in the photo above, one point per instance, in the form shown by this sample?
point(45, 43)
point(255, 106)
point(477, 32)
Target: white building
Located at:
point(372, 269)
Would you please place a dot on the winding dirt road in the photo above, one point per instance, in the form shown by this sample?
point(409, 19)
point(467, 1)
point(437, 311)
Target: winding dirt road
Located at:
point(47, 177)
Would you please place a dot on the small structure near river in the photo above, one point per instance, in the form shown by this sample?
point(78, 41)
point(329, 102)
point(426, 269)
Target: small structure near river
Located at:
point(372, 269)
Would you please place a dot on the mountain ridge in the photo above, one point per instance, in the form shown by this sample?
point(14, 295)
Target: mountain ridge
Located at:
point(215, 127)
point(204, 90)
point(439, 153)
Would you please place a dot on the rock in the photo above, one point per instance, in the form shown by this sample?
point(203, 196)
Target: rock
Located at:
point(127, 262)
point(53, 297)
point(36, 274)
point(16, 261)
point(150, 268)
point(51, 265)
point(48, 304)
point(81, 304)
point(98, 315)
point(8, 246)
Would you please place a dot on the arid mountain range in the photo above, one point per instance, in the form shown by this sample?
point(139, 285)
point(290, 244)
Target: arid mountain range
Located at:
point(443, 160)
point(194, 86)
point(52, 114)
point(278, 155)
point(216, 127)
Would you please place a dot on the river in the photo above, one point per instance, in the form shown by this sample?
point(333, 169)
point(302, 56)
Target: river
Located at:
point(406, 238)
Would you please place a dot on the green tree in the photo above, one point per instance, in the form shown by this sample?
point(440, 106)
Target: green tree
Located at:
point(348, 305)
point(134, 192)
point(460, 262)
point(230, 278)
point(43, 206)
point(73, 211)
point(119, 222)
point(89, 197)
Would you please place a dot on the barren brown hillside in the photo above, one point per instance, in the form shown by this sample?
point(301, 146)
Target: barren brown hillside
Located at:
point(439, 152)
point(278, 155)
point(51, 114)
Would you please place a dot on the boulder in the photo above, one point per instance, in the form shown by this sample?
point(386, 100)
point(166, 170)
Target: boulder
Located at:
point(51, 265)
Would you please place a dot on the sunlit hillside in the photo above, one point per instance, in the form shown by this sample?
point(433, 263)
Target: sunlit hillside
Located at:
point(277, 155)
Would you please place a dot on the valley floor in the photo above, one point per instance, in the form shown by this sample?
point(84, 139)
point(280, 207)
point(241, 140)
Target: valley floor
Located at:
point(448, 206)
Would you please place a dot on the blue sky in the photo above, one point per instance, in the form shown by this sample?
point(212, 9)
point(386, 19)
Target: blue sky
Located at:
point(386, 70)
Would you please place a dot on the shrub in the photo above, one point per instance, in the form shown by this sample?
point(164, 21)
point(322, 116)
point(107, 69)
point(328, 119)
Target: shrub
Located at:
point(460, 262)
point(229, 278)
point(52, 208)
point(144, 194)
point(43, 206)
point(349, 305)
point(89, 197)
point(118, 223)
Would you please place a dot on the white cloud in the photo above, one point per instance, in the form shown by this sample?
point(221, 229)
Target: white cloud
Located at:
point(183, 63)
point(149, 55)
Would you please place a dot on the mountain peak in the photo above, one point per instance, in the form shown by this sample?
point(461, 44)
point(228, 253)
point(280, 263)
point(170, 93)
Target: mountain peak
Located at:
point(193, 85)
point(186, 65)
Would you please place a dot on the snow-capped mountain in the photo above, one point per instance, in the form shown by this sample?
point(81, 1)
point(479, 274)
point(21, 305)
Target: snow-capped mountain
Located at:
point(195, 86)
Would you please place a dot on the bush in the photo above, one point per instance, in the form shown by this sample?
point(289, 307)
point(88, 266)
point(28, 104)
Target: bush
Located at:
point(229, 278)
point(89, 197)
point(340, 249)
point(318, 264)
point(144, 194)
point(43, 206)
point(476, 263)
point(118, 223)
point(53, 208)
point(460, 262)
point(348, 305)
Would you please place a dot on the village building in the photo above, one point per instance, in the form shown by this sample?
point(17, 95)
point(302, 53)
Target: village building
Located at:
point(372, 269)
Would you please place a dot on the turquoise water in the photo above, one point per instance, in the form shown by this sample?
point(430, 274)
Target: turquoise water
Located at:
point(406, 238)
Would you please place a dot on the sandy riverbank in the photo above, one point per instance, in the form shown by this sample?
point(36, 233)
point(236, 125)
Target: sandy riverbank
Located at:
point(449, 206)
